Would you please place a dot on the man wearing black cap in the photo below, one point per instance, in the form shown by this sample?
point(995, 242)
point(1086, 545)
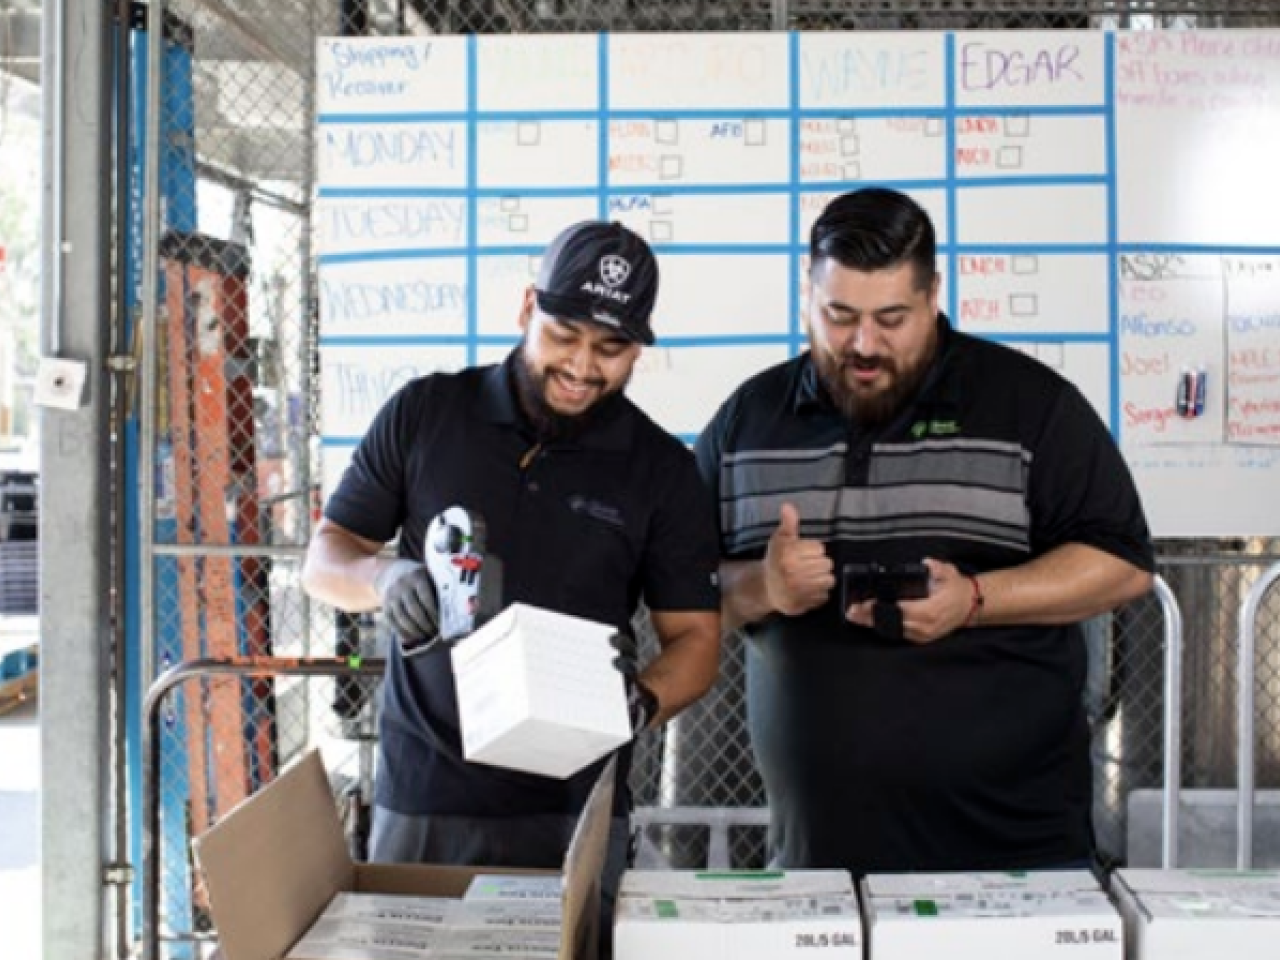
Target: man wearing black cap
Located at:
point(590, 506)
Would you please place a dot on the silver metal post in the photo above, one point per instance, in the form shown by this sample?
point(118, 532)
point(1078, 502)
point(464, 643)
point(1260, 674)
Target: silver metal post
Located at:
point(151, 231)
point(1172, 723)
point(1246, 673)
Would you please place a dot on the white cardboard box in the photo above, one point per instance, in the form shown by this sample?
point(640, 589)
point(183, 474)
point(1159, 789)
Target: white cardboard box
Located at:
point(737, 916)
point(538, 692)
point(1050, 915)
point(1189, 914)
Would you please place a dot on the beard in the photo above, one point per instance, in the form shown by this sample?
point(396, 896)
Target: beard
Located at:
point(548, 422)
point(870, 408)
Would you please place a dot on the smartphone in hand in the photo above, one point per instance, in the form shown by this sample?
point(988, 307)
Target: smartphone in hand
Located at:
point(890, 582)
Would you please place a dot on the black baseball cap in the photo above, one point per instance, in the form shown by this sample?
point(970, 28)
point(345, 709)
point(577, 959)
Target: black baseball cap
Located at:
point(601, 272)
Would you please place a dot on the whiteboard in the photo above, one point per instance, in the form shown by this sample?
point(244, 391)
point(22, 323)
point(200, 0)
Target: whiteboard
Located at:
point(1104, 202)
point(1197, 120)
point(395, 297)
point(358, 380)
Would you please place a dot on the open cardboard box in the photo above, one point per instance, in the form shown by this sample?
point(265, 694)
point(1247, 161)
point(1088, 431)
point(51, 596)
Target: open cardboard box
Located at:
point(273, 863)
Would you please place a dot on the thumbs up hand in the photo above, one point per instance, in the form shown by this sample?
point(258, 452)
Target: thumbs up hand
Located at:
point(798, 574)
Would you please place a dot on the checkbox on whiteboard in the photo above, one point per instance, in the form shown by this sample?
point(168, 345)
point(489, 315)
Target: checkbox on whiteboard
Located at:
point(849, 146)
point(847, 126)
point(1017, 126)
point(1052, 355)
point(662, 205)
point(1024, 304)
point(1026, 264)
point(518, 223)
point(660, 231)
point(933, 126)
point(754, 133)
point(528, 133)
point(667, 131)
point(1009, 158)
point(853, 171)
point(535, 266)
point(509, 204)
point(671, 168)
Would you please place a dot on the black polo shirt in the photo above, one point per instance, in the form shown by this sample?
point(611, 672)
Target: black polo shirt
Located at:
point(970, 752)
point(587, 527)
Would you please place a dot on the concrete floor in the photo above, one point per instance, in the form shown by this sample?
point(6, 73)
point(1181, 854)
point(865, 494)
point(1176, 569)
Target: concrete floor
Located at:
point(20, 833)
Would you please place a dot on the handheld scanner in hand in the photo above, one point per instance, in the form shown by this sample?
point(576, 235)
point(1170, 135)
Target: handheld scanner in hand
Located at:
point(890, 582)
point(468, 579)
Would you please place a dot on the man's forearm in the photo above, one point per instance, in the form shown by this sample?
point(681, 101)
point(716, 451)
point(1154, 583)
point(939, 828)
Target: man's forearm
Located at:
point(744, 598)
point(1069, 584)
point(687, 666)
point(341, 573)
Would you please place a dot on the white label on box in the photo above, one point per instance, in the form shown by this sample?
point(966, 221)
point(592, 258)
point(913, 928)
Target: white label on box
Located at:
point(492, 886)
point(737, 916)
point(498, 915)
point(306, 950)
point(386, 908)
point(745, 884)
point(944, 884)
point(377, 940)
point(533, 945)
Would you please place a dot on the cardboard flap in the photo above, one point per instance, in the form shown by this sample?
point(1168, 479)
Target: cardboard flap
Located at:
point(272, 864)
point(583, 867)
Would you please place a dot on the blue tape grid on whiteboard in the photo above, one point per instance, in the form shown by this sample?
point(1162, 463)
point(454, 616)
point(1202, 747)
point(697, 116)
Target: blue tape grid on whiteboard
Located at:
point(953, 228)
point(793, 219)
point(473, 180)
point(794, 187)
point(1113, 234)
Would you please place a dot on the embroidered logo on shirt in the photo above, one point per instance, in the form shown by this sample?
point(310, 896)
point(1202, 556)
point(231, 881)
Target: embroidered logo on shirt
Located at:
point(604, 512)
point(934, 428)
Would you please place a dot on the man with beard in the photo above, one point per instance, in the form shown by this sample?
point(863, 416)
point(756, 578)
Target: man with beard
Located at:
point(943, 733)
point(591, 508)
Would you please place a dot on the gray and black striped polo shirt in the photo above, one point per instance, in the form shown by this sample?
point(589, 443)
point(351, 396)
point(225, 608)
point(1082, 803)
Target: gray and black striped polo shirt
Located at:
point(967, 753)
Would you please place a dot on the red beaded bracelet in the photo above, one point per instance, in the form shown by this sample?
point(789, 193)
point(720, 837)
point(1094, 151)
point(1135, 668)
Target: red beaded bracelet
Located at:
point(977, 602)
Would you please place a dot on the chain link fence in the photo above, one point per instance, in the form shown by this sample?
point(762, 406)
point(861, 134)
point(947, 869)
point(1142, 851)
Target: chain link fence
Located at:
point(237, 459)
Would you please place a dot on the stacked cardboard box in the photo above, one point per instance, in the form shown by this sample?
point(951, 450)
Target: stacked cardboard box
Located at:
point(991, 916)
point(1189, 914)
point(737, 915)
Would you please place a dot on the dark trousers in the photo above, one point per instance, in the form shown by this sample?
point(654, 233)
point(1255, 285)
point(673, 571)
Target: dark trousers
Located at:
point(533, 841)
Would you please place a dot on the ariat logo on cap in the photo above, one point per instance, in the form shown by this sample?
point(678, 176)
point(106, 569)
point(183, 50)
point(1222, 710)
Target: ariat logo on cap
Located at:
point(614, 270)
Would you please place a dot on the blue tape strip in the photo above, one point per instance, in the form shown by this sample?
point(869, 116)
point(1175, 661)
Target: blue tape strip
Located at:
point(364, 119)
point(1033, 248)
point(374, 256)
point(1211, 250)
point(1020, 337)
point(473, 180)
point(953, 235)
point(1113, 235)
point(971, 182)
point(551, 116)
point(602, 122)
point(793, 73)
point(400, 340)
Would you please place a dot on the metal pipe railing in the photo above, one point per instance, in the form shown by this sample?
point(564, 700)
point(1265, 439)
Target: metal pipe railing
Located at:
point(245, 668)
point(1246, 674)
point(1172, 798)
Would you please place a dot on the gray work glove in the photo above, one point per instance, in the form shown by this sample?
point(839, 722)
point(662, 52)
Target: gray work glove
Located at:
point(409, 603)
point(642, 704)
